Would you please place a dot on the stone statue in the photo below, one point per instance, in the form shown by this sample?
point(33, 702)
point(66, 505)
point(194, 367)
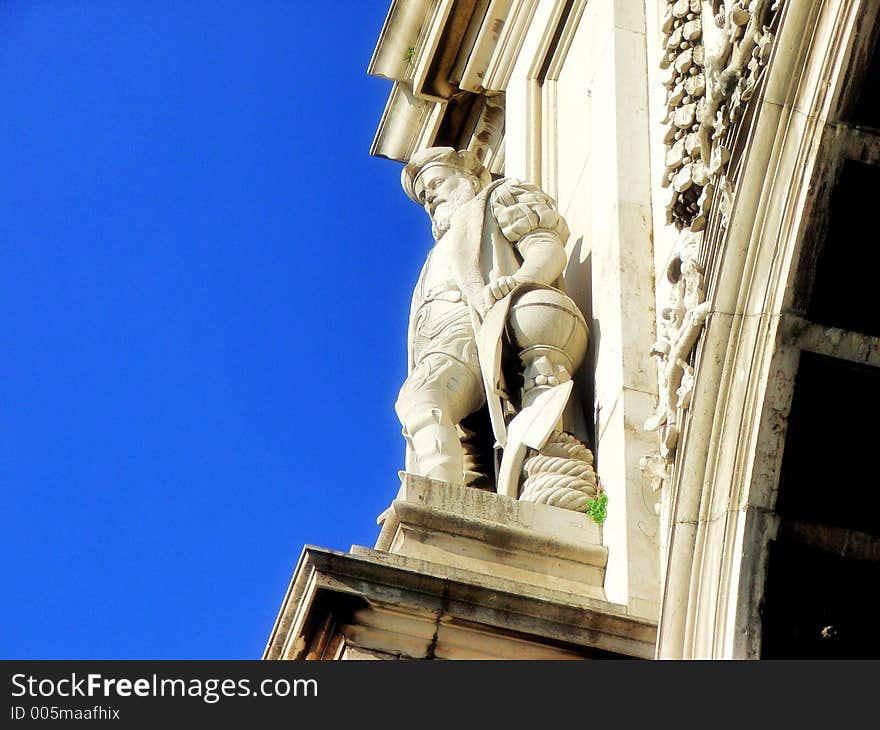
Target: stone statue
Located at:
point(490, 289)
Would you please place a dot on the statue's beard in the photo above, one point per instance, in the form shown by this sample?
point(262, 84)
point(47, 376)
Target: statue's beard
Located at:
point(442, 218)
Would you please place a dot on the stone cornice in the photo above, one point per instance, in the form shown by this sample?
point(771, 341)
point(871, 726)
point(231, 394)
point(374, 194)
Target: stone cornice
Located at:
point(507, 609)
point(393, 56)
point(443, 57)
point(408, 124)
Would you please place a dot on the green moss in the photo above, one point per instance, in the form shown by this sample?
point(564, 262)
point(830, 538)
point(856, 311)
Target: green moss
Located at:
point(597, 508)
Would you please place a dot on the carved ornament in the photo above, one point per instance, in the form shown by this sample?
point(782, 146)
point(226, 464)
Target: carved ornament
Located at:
point(713, 54)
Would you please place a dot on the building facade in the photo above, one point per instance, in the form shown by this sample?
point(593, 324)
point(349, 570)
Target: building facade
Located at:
point(714, 160)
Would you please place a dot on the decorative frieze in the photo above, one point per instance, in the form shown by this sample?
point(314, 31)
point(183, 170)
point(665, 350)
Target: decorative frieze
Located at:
point(713, 53)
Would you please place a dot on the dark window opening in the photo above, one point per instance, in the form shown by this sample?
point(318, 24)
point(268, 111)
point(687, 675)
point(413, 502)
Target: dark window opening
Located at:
point(829, 472)
point(818, 605)
point(848, 267)
point(866, 110)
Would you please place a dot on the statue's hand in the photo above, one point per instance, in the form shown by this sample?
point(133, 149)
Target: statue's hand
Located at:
point(498, 289)
point(542, 371)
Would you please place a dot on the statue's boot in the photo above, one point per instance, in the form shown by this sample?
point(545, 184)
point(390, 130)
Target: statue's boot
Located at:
point(437, 448)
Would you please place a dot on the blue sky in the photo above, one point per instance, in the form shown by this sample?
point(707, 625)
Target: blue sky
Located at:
point(204, 285)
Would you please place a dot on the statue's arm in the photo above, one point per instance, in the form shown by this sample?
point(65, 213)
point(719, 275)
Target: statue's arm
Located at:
point(543, 263)
point(530, 221)
point(543, 258)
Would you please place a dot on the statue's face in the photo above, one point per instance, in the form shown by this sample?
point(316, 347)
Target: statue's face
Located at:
point(441, 191)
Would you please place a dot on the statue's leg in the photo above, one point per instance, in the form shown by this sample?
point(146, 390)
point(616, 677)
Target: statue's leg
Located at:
point(439, 392)
point(436, 444)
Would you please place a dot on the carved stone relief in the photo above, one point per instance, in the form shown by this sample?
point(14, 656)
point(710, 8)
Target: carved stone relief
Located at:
point(680, 324)
point(713, 55)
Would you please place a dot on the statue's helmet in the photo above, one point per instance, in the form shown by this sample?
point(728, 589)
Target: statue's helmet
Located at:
point(464, 161)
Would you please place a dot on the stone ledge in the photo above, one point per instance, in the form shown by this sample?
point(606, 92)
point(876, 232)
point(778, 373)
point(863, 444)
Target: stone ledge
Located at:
point(390, 603)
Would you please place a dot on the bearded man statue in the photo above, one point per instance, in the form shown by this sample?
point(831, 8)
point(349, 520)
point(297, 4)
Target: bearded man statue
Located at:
point(491, 284)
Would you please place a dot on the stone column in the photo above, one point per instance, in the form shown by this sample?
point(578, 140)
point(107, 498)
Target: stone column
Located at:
point(623, 305)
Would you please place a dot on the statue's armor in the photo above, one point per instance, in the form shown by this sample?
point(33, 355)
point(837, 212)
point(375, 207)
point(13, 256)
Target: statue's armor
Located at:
point(442, 320)
point(444, 383)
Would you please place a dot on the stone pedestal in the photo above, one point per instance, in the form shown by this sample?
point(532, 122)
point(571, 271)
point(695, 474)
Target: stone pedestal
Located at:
point(489, 533)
